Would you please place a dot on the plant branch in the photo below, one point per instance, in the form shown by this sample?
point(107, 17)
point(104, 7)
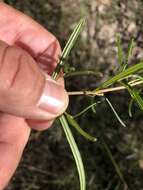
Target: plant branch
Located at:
point(102, 91)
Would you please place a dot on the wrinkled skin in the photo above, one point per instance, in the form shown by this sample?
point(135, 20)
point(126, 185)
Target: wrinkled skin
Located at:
point(24, 42)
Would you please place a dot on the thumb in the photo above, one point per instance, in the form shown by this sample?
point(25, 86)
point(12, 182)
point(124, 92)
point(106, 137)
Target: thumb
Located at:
point(24, 90)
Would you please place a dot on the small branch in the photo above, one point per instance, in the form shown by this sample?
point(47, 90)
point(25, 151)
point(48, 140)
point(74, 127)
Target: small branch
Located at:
point(102, 91)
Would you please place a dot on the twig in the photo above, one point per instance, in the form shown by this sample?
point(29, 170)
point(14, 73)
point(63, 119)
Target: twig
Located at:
point(102, 91)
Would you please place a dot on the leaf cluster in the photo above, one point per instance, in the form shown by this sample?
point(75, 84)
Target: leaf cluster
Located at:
point(126, 75)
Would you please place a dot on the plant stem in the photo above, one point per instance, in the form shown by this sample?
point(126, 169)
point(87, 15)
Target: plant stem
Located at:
point(74, 150)
point(78, 160)
point(102, 91)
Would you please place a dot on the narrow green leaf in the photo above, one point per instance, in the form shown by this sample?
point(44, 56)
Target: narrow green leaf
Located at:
point(119, 51)
point(130, 51)
point(86, 109)
point(75, 151)
point(93, 108)
point(135, 95)
point(137, 77)
point(130, 107)
point(69, 45)
point(122, 75)
point(123, 63)
point(74, 124)
point(116, 114)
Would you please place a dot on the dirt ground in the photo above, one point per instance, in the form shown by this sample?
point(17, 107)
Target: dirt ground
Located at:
point(47, 163)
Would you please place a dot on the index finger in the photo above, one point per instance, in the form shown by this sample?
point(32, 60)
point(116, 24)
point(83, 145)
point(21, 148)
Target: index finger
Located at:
point(17, 28)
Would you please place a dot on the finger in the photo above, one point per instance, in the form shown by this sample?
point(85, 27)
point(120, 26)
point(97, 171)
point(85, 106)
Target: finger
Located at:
point(14, 134)
point(29, 35)
point(24, 91)
point(40, 125)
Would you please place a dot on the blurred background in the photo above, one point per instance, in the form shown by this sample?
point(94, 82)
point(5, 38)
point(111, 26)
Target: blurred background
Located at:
point(47, 163)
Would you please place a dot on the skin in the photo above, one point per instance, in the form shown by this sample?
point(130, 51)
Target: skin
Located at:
point(25, 47)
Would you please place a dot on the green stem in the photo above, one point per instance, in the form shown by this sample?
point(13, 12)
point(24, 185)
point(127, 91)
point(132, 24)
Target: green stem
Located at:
point(75, 151)
point(62, 119)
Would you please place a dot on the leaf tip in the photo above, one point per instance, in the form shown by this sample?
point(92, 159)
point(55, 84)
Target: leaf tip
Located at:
point(95, 139)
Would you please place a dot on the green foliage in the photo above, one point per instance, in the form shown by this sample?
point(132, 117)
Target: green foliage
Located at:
point(85, 110)
point(115, 113)
point(123, 62)
point(74, 124)
point(121, 77)
point(129, 52)
point(130, 107)
point(69, 45)
point(98, 175)
point(135, 96)
point(75, 151)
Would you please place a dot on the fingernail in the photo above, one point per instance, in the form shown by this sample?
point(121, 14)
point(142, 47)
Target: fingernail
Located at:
point(54, 98)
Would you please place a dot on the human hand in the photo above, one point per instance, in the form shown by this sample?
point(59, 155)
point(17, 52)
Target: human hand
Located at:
point(28, 97)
